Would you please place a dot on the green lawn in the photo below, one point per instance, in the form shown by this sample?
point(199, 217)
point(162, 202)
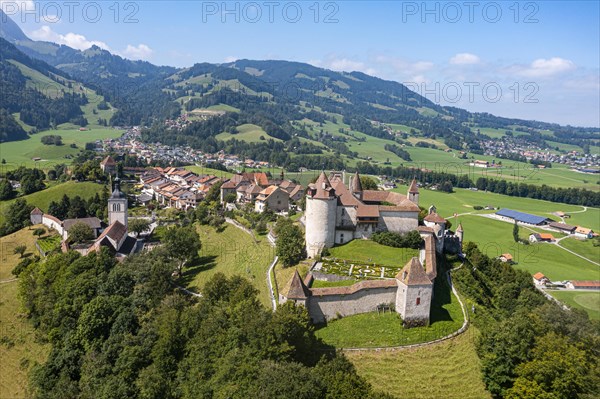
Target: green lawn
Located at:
point(588, 301)
point(21, 153)
point(375, 330)
point(231, 251)
point(203, 170)
point(584, 248)
point(248, 132)
point(495, 238)
point(463, 200)
point(42, 199)
point(341, 283)
point(19, 349)
point(450, 370)
point(368, 251)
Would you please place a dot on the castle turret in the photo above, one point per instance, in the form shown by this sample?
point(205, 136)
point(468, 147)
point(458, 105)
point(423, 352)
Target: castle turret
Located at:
point(413, 192)
point(321, 204)
point(117, 205)
point(438, 224)
point(415, 290)
point(460, 235)
point(356, 186)
point(296, 291)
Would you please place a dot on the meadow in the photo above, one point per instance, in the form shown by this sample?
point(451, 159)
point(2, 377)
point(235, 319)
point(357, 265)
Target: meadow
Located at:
point(248, 132)
point(370, 252)
point(42, 199)
point(450, 369)
point(587, 301)
point(231, 251)
point(19, 349)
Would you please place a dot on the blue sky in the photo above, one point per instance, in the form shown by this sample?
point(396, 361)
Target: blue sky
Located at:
point(533, 60)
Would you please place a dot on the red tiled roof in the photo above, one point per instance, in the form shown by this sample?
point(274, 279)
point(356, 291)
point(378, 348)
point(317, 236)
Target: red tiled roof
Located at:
point(367, 211)
point(108, 161)
point(297, 288)
point(37, 211)
point(115, 232)
point(322, 188)
point(413, 273)
point(586, 283)
point(413, 187)
point(434, 218)
point(539, 276)
point(356, 185)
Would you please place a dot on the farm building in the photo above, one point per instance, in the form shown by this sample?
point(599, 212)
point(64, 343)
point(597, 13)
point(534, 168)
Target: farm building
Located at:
point(512, 215)
point(584, 285)
point(506, 257)
point(541, 237)
point(562, 227)
point(584, 232)
point(540, 280)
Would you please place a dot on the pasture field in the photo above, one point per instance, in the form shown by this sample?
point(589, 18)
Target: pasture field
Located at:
point(42, 199)
point(22, 153)
point(588, 301)
point(582, 247)
point(203, 170)
point(231, 251)
point(463, 200)
point(248, 132)
point(495, 238)
point(19, 349)
point(450, 369)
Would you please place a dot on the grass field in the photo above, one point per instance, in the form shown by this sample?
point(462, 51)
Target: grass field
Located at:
point(450, 370)
point(18, 349)
point(381, 330)
point(588, 301)
point(231, 251)
point(463, 200)
point(21, 153)
point(583, 247)
point(248, 132)
point(495, 238)
point(203, 170)
point(42, 199)
point(371, 252)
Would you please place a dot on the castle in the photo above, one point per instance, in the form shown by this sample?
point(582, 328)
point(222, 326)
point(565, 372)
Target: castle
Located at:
point(114, 236)
point(336, 215)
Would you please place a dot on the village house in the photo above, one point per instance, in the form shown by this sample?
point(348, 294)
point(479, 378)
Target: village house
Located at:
point(541, 237)
point(273, 198)
point(108, 165)
point(584, 232)
point(507, 258)
point(540, 280)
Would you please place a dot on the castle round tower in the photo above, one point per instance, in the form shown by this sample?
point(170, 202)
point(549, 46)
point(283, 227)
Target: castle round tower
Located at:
point(321, 204)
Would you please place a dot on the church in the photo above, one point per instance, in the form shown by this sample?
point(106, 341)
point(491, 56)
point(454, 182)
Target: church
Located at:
point(114, 236)
point(337, 214)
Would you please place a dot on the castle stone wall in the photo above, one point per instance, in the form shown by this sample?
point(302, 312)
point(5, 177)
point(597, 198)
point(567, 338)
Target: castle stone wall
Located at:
point(327, 307)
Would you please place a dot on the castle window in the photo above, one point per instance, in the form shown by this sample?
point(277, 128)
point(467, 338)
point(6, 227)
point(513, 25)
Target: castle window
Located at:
point(418, 301)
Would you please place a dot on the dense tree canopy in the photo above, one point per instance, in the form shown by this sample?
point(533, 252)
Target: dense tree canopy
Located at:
point(121, 330)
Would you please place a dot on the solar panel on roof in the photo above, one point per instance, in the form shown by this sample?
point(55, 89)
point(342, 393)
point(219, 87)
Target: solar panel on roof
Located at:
point(521, 217)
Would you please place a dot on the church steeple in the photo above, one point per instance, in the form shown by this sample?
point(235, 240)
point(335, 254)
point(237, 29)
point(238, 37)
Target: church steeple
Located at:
point(117, 205)
point(413, 192)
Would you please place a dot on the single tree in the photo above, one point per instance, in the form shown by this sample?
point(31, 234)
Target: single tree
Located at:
point(289, 245)
point(20, 249)
point(40, 231)
point(6, 190)
point(80, 232)
point(182, 245)
point(516, 232)
point(138, 226)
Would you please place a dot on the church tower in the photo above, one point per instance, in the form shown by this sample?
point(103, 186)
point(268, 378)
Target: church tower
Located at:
point(356, 186)
point(117, 205)
point(413, 192)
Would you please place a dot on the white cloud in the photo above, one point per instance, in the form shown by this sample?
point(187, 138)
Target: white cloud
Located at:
point(464, 59)
point(231, 58)
point(139, 52)
point(542, 67)
point(343, 64)
point(80, 42)
point(74, 40)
